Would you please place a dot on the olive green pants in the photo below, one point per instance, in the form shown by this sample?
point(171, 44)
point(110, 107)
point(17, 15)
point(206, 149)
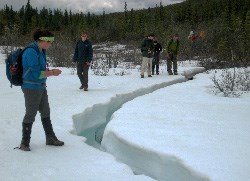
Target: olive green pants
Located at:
point(172, 63)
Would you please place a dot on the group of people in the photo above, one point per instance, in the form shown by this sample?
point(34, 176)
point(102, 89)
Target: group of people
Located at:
point(36, 72)
point(151, 49)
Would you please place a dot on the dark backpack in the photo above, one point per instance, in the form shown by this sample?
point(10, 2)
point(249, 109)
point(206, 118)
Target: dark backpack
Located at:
point(14, 67)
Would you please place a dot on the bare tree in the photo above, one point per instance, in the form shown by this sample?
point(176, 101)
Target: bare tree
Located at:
point(61, 53)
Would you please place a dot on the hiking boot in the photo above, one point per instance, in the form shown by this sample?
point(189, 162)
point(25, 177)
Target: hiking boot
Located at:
point(175, 73)
point(85, 88)
point(157, 73)
point(170, 73)
point(142, 76)
point(149, 75)
point(52, 140)
point(81, 87)
point(25, 143)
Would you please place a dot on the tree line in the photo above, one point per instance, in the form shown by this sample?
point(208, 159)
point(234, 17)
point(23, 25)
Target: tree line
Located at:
point(226, 27)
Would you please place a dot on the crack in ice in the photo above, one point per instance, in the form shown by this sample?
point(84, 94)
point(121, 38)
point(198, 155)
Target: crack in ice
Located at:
point(92, 121)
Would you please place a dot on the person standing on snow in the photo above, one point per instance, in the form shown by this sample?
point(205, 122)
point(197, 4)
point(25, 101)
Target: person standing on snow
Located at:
point(147, 48)
point(83, 56)
point(193, 38)
point(156, 59)
point(172, 53)
point(34, 88)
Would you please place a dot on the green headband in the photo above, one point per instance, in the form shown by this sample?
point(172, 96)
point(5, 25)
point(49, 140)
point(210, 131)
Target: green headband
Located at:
point(50, 39)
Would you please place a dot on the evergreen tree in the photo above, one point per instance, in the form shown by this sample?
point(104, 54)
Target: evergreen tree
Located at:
point(225, 22)
point(66, 18)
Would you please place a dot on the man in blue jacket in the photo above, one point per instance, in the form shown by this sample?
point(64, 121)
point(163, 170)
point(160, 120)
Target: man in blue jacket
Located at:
point(83, 56)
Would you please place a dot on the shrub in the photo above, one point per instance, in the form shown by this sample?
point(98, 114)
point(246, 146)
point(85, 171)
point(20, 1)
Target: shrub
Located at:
point(232, 82)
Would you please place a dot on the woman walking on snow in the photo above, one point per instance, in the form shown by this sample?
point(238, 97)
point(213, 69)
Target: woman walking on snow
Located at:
point(35, 74)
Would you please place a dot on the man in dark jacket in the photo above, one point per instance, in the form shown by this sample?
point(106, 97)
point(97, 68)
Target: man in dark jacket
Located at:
point(156, 59)
point(147, 48)
point(83, 56)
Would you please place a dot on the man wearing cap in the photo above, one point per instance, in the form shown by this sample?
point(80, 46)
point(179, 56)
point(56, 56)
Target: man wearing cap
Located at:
point(147, 48)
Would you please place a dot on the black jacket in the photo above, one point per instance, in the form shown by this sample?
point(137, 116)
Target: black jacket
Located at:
point(157, 48)
point(83, 52)
point(147, 48)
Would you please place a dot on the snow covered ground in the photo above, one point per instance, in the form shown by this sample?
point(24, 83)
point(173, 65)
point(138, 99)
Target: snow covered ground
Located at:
point(159, 128)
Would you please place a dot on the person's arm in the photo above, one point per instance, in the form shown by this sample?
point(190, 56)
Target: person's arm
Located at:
point(177, 47)
point(31, 62)
point(143, 46)
point(75, 53)
point(48, 73)
point(90, 53)
point(167, 49)
point(152, 47)
point(160, 47)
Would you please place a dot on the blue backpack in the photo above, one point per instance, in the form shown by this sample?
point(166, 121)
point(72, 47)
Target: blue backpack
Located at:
point(14, 67)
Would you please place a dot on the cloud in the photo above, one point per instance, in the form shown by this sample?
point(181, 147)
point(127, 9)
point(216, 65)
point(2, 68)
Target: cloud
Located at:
point(93, 6)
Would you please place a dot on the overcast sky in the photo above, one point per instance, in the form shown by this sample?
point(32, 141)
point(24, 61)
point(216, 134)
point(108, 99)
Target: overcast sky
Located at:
point(93, 6)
